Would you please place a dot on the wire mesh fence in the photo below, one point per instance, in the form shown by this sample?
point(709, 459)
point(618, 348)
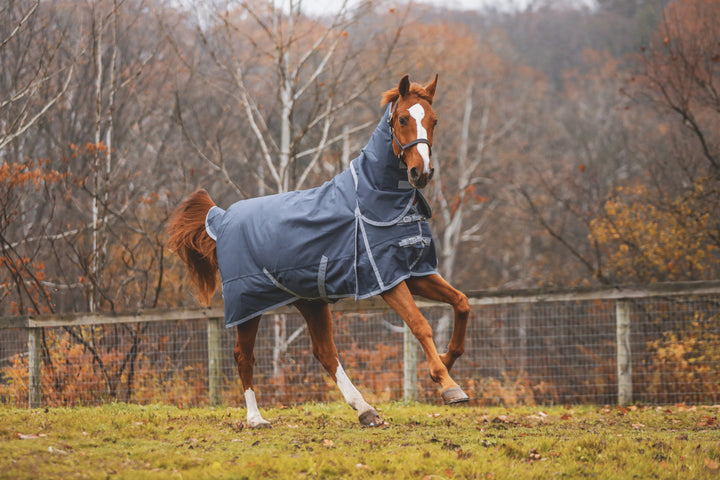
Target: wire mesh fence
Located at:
point(558, 351)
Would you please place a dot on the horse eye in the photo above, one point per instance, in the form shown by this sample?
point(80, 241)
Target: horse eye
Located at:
point(403, 121)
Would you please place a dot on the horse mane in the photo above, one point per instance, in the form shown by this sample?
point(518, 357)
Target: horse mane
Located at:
point(415, 89)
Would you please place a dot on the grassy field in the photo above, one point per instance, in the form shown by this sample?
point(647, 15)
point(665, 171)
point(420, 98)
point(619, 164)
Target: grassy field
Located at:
point(419, 441)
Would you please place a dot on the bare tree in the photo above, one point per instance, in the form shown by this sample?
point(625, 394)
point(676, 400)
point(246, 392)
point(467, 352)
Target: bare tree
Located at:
point(34, 77)
point(289, 75)
point(682, 73)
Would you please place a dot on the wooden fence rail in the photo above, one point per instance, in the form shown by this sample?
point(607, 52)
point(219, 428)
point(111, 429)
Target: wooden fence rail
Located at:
point(621, 295)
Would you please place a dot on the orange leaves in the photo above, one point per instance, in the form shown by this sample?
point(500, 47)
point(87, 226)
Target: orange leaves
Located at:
point(18, 174)
point(24, 268)
point(683, 359)
point(72, 375)
point(88, 148)
point(649, 239)
point(149, 199)
point(22, 187)
point(467, 195)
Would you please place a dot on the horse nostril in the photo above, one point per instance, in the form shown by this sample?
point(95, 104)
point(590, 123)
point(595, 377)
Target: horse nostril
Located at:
point(414, 173)
point(432, 172)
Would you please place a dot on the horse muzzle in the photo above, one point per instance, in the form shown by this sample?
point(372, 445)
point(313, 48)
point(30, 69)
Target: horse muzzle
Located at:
point(419, 180)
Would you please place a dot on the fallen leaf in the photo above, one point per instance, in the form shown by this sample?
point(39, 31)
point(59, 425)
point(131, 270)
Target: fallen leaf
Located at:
point(31, 436)
point(638, 426)
point(534, 455)
point(711, 464)
point(501, 419)
point(328, 443)
point(57, 451)
point(362, 466)
point(449, 445)
point(707, 421)
point(536, 419)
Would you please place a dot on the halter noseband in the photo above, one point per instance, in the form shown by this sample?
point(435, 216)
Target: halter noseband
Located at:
point(402, 147)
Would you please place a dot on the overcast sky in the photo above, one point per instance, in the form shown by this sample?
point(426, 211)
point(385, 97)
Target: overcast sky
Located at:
point(325, 6)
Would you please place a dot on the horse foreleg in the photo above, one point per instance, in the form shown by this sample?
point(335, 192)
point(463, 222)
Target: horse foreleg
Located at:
point(400, 299)
point(434, 287)
point(245, 359)
point(319, 322)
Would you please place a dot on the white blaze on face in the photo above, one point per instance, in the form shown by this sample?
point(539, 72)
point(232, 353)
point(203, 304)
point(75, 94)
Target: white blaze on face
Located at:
point(418, 113)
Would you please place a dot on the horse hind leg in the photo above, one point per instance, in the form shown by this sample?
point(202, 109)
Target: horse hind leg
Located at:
point(245, 360)
point(319, 322)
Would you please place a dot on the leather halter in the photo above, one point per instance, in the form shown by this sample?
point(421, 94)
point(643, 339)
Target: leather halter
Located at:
point(402, 147)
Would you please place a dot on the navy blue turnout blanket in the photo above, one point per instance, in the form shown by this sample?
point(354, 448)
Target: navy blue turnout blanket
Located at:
point(357, 235)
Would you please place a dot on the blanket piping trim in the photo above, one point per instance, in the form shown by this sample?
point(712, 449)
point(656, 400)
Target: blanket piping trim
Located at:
point(278, 284)
point(209, 231)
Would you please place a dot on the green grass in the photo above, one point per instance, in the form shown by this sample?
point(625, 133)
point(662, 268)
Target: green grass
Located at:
point(419, 441)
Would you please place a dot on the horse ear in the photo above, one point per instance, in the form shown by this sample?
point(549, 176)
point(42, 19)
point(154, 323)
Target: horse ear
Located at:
point(430, 88)
point(404, 85)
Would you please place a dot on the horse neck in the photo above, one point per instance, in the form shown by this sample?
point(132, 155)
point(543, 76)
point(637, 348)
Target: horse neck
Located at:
point(377, 163)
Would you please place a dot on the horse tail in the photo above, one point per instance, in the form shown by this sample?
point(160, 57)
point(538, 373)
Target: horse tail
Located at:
point(189, 239)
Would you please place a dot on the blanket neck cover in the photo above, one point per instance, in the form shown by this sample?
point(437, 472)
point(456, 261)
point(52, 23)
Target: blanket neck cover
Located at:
point(357, 235)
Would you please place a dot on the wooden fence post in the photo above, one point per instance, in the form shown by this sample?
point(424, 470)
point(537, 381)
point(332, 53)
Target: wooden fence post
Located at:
point(214, 346)
point(34, 367)
point(624, 359)
point(410, 364)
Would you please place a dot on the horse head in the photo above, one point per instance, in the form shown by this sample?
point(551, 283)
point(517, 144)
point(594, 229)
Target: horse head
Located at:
point(412, 122)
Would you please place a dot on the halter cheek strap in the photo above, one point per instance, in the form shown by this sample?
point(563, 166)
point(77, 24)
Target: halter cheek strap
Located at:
point(402, 147)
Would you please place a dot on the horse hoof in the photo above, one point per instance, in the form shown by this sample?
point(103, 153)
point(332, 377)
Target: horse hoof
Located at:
point(259, 424)
point(454, 395)
point(370, 418)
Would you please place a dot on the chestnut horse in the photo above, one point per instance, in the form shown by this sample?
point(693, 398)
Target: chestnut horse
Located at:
point(205, 237)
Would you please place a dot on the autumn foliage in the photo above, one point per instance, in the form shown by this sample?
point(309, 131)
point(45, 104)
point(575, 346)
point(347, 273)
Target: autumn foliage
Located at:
point(646, 240)
point(22, 277)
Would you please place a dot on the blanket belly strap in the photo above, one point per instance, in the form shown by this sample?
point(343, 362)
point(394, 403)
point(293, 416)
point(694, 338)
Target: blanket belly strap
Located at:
point(322, 273)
